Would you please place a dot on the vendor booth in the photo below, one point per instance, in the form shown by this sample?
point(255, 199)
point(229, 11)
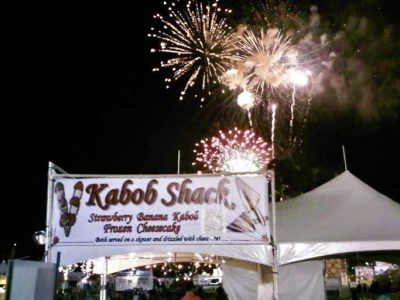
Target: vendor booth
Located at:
point(124, 221)
point(121, 222)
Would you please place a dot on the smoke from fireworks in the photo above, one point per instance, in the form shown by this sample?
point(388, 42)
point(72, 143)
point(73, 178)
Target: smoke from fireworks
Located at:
point(200, 44)
point(234, 151)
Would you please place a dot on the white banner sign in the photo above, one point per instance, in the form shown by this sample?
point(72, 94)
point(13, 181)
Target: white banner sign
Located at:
point(158, 211)
point(127, 283)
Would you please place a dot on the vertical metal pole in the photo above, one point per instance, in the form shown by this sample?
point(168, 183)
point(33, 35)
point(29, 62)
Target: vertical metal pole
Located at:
point(275, 248)
point(9, 278)
point(55, 279)
point(103, 280)
point(344, 157)
point(10, 272)
point(50, 185)
point(179, 162)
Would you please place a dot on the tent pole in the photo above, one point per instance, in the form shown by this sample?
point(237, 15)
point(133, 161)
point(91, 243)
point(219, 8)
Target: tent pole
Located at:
point(50, 186)
point(179, 162)
point(103, 280)
point(57, 168)
point(344, 158)
point(56, 275)
point(52, 170)
point(275, 240)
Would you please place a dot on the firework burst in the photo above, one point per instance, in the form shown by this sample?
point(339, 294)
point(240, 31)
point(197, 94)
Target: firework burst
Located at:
point(200, 44)
point(269, 66)
point(265, 60)
point(234, 151)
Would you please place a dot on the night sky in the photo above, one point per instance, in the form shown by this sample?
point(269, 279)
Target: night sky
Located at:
point(80, 92)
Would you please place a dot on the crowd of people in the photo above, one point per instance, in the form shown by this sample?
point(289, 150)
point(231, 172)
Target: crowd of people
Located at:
point(179, 291)
point(187, 291)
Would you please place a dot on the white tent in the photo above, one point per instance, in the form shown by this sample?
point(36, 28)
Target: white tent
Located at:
point(341, 216)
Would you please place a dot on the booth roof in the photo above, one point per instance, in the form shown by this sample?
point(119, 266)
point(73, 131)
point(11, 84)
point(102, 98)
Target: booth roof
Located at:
point(342, 215)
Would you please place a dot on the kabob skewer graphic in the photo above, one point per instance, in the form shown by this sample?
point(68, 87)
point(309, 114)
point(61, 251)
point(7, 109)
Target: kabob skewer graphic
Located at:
point(251, 220)
point(68, 217)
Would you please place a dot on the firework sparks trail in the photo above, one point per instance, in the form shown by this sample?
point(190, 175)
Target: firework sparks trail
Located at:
point(305, 119)
point(200, 44)
point(234, 151)
point(273, 131)
point(297, 78)
point(292, 105)
point(246, 101)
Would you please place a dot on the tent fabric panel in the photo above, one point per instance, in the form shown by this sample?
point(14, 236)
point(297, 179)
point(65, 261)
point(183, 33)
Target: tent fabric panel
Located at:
point(239, 283)
point(255, 253)
point(302, 281)
point(343, 209)
point(293, 252)
point(244, 280)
